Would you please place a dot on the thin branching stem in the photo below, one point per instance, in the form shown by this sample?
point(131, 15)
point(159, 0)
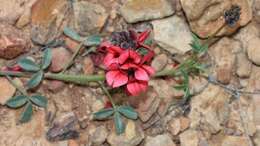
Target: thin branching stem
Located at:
point(70, 62)
point(107, 93)
point(23, 91)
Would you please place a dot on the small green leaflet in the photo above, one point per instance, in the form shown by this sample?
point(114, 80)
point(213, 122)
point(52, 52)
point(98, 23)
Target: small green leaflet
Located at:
point(128, 112)
point(35, 80)
point(39, 100)
point(17, 101)
point(72, 34)
point(28, 65)
point(120, 127)
point(27, 113)
point(103, 114)
point(46, 61)
point(117, 113)
point(196, 45)
point(93, 40)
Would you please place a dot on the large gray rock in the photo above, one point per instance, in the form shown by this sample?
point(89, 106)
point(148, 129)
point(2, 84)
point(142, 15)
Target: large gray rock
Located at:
point(172, 34)
point(141, 10)
point(89, 17)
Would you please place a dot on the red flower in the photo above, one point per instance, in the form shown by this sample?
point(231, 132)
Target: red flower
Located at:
point(126, 67)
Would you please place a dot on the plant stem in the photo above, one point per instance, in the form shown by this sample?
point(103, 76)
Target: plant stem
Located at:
point(166, 72)
point(70, 62)
point(107, 93)
point(77, 79)
point(23, 91)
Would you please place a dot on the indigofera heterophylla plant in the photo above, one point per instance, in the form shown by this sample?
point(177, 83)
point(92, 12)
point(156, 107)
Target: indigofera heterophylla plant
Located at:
point(126, 57)
point(23, 98)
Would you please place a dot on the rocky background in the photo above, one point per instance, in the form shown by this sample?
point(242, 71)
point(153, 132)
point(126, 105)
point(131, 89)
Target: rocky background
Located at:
point(214, 117)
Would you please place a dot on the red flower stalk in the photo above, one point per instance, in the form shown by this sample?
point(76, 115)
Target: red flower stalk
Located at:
point(126, 67)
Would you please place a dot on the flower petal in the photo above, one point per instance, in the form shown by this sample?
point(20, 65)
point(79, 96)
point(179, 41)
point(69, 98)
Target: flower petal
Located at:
point(127, 66)
point(141, 74)
point(135, 88)
point(110, 59)
point(143, 36)
point(148, 57)
point(135, 56)
point(149, 69)
point(116, 78)
point(124, 56)
point(115, 49)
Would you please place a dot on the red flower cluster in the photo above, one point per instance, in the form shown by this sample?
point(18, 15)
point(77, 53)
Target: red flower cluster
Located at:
point(126, 66)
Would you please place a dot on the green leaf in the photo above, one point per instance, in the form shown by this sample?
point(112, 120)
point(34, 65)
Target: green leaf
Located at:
point(142, 51)
point(46, 58)
point(35, 80)
point(28, 65)
point(27, 113)
point(72, 34)
point(103, 114)
point(93, 40)
point(128, 112)
point(120, 127)
point(17, 101)
point(196, 45)
point(180, 87)
point(39, 100)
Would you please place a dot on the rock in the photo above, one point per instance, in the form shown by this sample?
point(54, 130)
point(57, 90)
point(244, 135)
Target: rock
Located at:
point(148, 105)
point(167, 34)
point(197, 84)
point(73, 143)
point(247, 112)
point(224, 58)
point(132, 137)
point(164, 88)
point(60, 56)
point(98, 135)
point(206, 17)
point(24, 19)
point(71, 44)
point(55, 86)
point(254, 86)
point(247, 33)
point(7, 9)
point(97, 105)
point(7, 90)
point(189, 138)
point(209, 110)
point(253, 50)
point(159, 62)
point(234, 141)
point(141, 10)
point(12, 42)
point(178, 125)
point(243, 65)
point(46, 24)
point(83, 99)
point(63, 128)
point(88, 66)
point(89, 17)
point(257, 10)
point(257, 137)
point(159, 140)
point(168, 94)
point(27, 134)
